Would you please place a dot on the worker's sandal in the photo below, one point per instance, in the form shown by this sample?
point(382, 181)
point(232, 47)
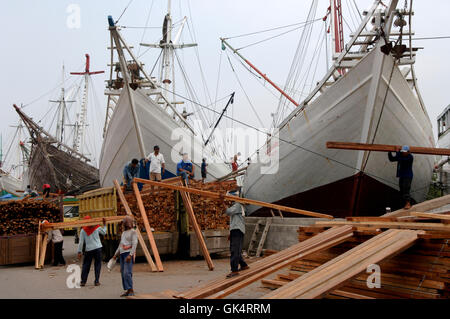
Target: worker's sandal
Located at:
point(233, 274)
point(244, 268)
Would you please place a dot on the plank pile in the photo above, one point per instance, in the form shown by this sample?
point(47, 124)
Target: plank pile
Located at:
point(160, 205)
point(421, 271)
point(22, 217)
point(222, 287)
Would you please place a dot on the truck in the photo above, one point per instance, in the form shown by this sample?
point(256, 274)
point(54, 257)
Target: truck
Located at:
point(180, 241)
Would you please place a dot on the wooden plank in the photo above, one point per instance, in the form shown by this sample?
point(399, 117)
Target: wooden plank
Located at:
point(431, 215)
point(422, 207)
point(336, 272)
point(38, 248)
point(81, 223)
point(198, 232)
point(387, 148)
point(350, 295)
point(43, 250)
point(219, 284)
point(391, 225)
point(124, 202)
point(148, 229)
point(234, 198)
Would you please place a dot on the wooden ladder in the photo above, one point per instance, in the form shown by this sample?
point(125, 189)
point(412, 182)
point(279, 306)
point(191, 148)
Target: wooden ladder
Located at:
point(262, 238)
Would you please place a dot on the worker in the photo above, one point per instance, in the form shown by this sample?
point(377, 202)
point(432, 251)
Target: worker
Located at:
point(237, 232)
point(204, 169)
point(234, 164)
point(185, 168)
point(405, 160)
point(90, 235)
point(58, 240)
point(157, 164)
point(46, 189)
point(130, 171)
point(127, 251)
point(27, 191)
point(34, 193)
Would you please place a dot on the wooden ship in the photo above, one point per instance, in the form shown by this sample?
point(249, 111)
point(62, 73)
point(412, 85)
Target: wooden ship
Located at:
point(51, 161)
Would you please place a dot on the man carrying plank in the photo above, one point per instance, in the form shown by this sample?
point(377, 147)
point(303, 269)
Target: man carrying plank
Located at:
point(405, 160)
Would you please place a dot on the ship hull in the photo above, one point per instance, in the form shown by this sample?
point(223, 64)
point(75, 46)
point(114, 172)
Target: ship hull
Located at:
point(355, 109)
point(49, 165)
point(120, 144)
point(10, 184)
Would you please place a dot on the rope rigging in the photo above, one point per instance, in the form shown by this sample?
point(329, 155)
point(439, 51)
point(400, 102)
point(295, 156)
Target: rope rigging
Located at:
point(287, 142)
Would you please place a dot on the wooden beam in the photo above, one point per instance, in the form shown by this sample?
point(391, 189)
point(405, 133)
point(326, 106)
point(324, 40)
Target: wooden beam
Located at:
point(81, 223)
point(431, 215)
point(148, 229)
point(422, 207)
point(387, 148)
point(124, 202)
point(38, 247)
point(198, 232)
point(43, 251)
point(391, 225)
point(233, 198)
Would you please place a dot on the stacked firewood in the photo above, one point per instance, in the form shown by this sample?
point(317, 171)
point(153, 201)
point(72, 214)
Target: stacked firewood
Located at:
point(160, 205)
point(23, 216)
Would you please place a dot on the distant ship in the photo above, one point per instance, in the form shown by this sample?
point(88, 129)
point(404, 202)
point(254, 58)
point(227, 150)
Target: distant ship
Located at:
point(140, 114)
point(369, 95)
point(51, 160)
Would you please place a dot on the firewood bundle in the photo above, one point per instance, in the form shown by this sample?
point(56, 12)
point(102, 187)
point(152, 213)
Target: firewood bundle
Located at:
point(22, 217)
point(160, 206)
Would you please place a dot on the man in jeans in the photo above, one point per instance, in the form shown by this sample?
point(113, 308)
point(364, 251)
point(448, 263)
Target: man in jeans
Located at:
point(237, 231)
point(57, 239)
point(404, 173)
point(90, 235)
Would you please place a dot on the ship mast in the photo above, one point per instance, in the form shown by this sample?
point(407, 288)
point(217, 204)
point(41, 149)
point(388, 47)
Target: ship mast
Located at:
point(168, 46)
point(61, 110)
point(80, 127)
point(338, 30)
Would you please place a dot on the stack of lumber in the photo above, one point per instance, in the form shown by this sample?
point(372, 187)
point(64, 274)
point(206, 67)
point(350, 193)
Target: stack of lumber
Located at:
point(160, 205)
point(421, 271)
point(22, 217)
point(222, 287)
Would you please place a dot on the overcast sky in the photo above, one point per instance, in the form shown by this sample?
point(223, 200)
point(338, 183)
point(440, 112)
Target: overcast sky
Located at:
point(37, 40)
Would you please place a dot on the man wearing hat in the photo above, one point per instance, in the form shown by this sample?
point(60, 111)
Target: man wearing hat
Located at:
point(405, 174)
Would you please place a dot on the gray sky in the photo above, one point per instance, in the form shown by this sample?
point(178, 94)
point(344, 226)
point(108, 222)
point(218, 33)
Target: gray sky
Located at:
point(37, 41)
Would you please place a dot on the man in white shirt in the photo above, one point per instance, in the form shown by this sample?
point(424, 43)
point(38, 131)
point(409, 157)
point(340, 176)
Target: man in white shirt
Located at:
point(57, 239)
point(157, 164)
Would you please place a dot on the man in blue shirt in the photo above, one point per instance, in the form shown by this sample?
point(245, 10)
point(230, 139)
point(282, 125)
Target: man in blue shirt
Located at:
point(185, 168)
point(130, 171)
point(405, 174)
